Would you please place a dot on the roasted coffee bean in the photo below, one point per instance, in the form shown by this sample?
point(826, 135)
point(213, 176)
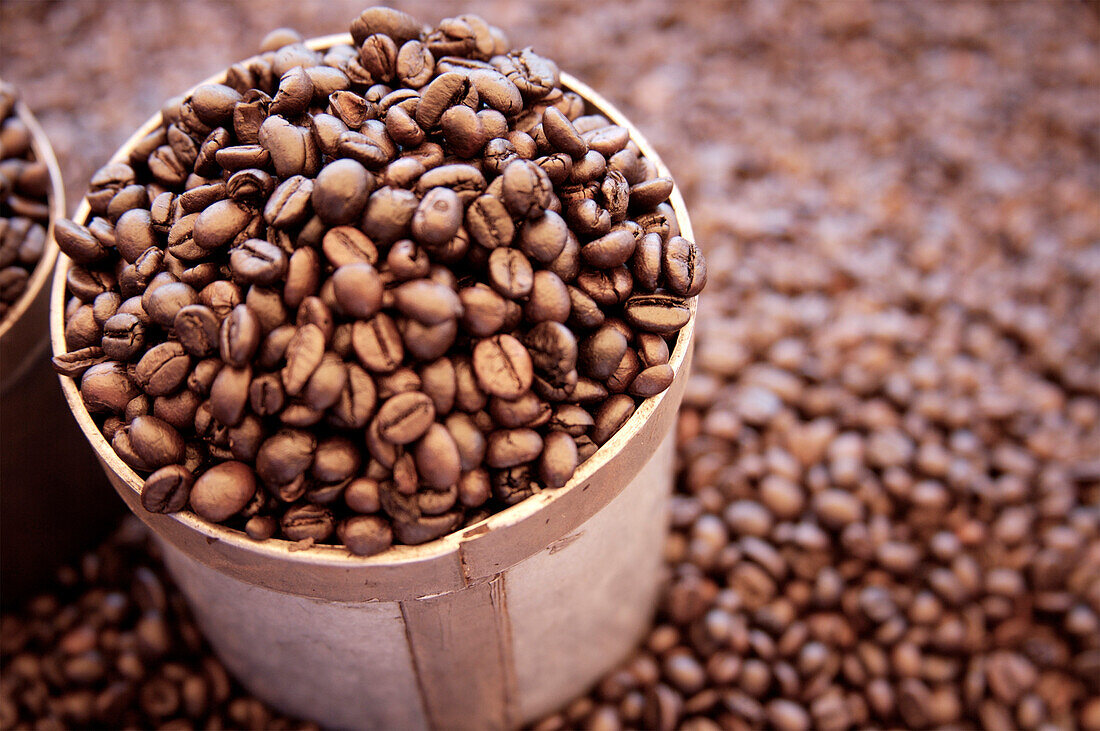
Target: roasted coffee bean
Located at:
point(611, 416)
point(552, 349)
point(290, 203)
point(510, 273)
point(438, 217)
point(405, 417)
point(389, 214)
point(134, 234)
point(503, 366)
point(293, 150)
point(123, 336)
point(558, 460)
point(106, 387)
point(75, 363)
point(483, 310)
point(223, 490)
point(365, 535)
point(229, 394)
point(438, 462)
point(646, 264)
point(427, 302)
point(258, 262)
point(347, 245)
point(652, 381)
point(162, 369)
point(526, 189)
point(307, 521)
point(377, 343)
point(602, 351)
point(443, 92)
point(221, 224)
point(357, 289)
point(285, 456)
point(684, 267)
point(155, 441)
point(657, 313)
point(610, 250)
point(303, 355)
point(561, 134)
point(341, 191)
point(512, 447)
point(465, 180)
point(549, 299)
point(78, 243)
point(239, 337)
point(167, 490)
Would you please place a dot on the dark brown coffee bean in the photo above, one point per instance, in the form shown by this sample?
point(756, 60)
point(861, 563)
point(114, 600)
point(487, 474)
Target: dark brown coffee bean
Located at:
point(503, 366)
point(601, 352)
point(624, 374)
point(561, 134)
point(437, 458)
point(489, 222)
point(389, 214)
point(512, 447)
point(178, 409)
point(427, 302)
point(684, 267)
point(134, 234)
point(510, 273)
point(445, 91)
point(257, 261)
point(213, 103)
point(415, 65)
point(162, 369)
point(657, 313)
point(155, 441)
point(341, 191)
point(534, 75)
point(221, 224)
point(378, 343)
point(572, 419)
point(611, 416)
point(397, 25)
point(438, 217)
point(347, 245)
point(589, 169)
point(610, 250)
point(365, 535)
point(463, 131)
point(544, 236)
point(123, 336)
point(465, 180)
point(526, 189)
point(552, 348)
point(294, 93)
point(240, 336)
point(650, 193)
point(357, 289)
point(468, 439)
point(222, 491)
point(285, 456)
point(483, 310)
point(405, 417)
point(167, 490)
point(229, 394)
point(293, 150)
point(559, 459)
point(652, 381)
point(78, 243)
point(75, 363)
point(587, 217)
point(426, 528)
point(303, 355)
point(549, 299)
point(106, 388)
point(198, 330)
point(290, 204)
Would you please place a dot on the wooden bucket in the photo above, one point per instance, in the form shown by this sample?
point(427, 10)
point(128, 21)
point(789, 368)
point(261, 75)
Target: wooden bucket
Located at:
point(487, 628)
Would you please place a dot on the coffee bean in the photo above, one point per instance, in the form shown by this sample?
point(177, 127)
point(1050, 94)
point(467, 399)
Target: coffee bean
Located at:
point(290, 203)
point(483, 310)
point(239, 336)
point(611, 416)
point(162, 369)
point(503, 366)
point(78, 243)
point(365, 535)
point(512, 447)
point(465, 180)
point(652, 381)
point(438, 217)
point(601, 352)
point(489, 222)
point(443, 92)
point(256, 261)
point(221, 224)
point(123, 336)
point(657, 313)
point(341, 191)
point(395, 24)
point(358, 289)
point(377, 343)
point(510, 273)
point(285, 457)
point(437, 458)
point(405, 417)
point(610, 250)
point(167, 490)
point(303, 355)
point(222, 491)
point(75, 363)
point(389, 214)
point(155, 441)
point(561, 134)
point(526, 189)
point(543, 237)
point(684, 267)
point(293, 150)
point(427, 302)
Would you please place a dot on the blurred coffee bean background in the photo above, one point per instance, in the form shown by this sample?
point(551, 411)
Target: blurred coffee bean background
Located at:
point(889, 485)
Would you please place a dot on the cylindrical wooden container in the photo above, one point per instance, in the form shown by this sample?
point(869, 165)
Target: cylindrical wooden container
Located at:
point(487, 628)
point(54, 502)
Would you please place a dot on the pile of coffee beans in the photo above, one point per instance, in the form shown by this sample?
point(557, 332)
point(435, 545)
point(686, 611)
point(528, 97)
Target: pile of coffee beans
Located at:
point(114, 646)
point(24, 202)
point(375, 293)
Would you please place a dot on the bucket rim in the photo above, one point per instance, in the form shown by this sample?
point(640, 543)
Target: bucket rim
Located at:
point(445, 547)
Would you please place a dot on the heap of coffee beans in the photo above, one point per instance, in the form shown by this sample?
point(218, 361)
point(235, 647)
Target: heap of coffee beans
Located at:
point(24, 202)
point(114, 646)
point(376, 293)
